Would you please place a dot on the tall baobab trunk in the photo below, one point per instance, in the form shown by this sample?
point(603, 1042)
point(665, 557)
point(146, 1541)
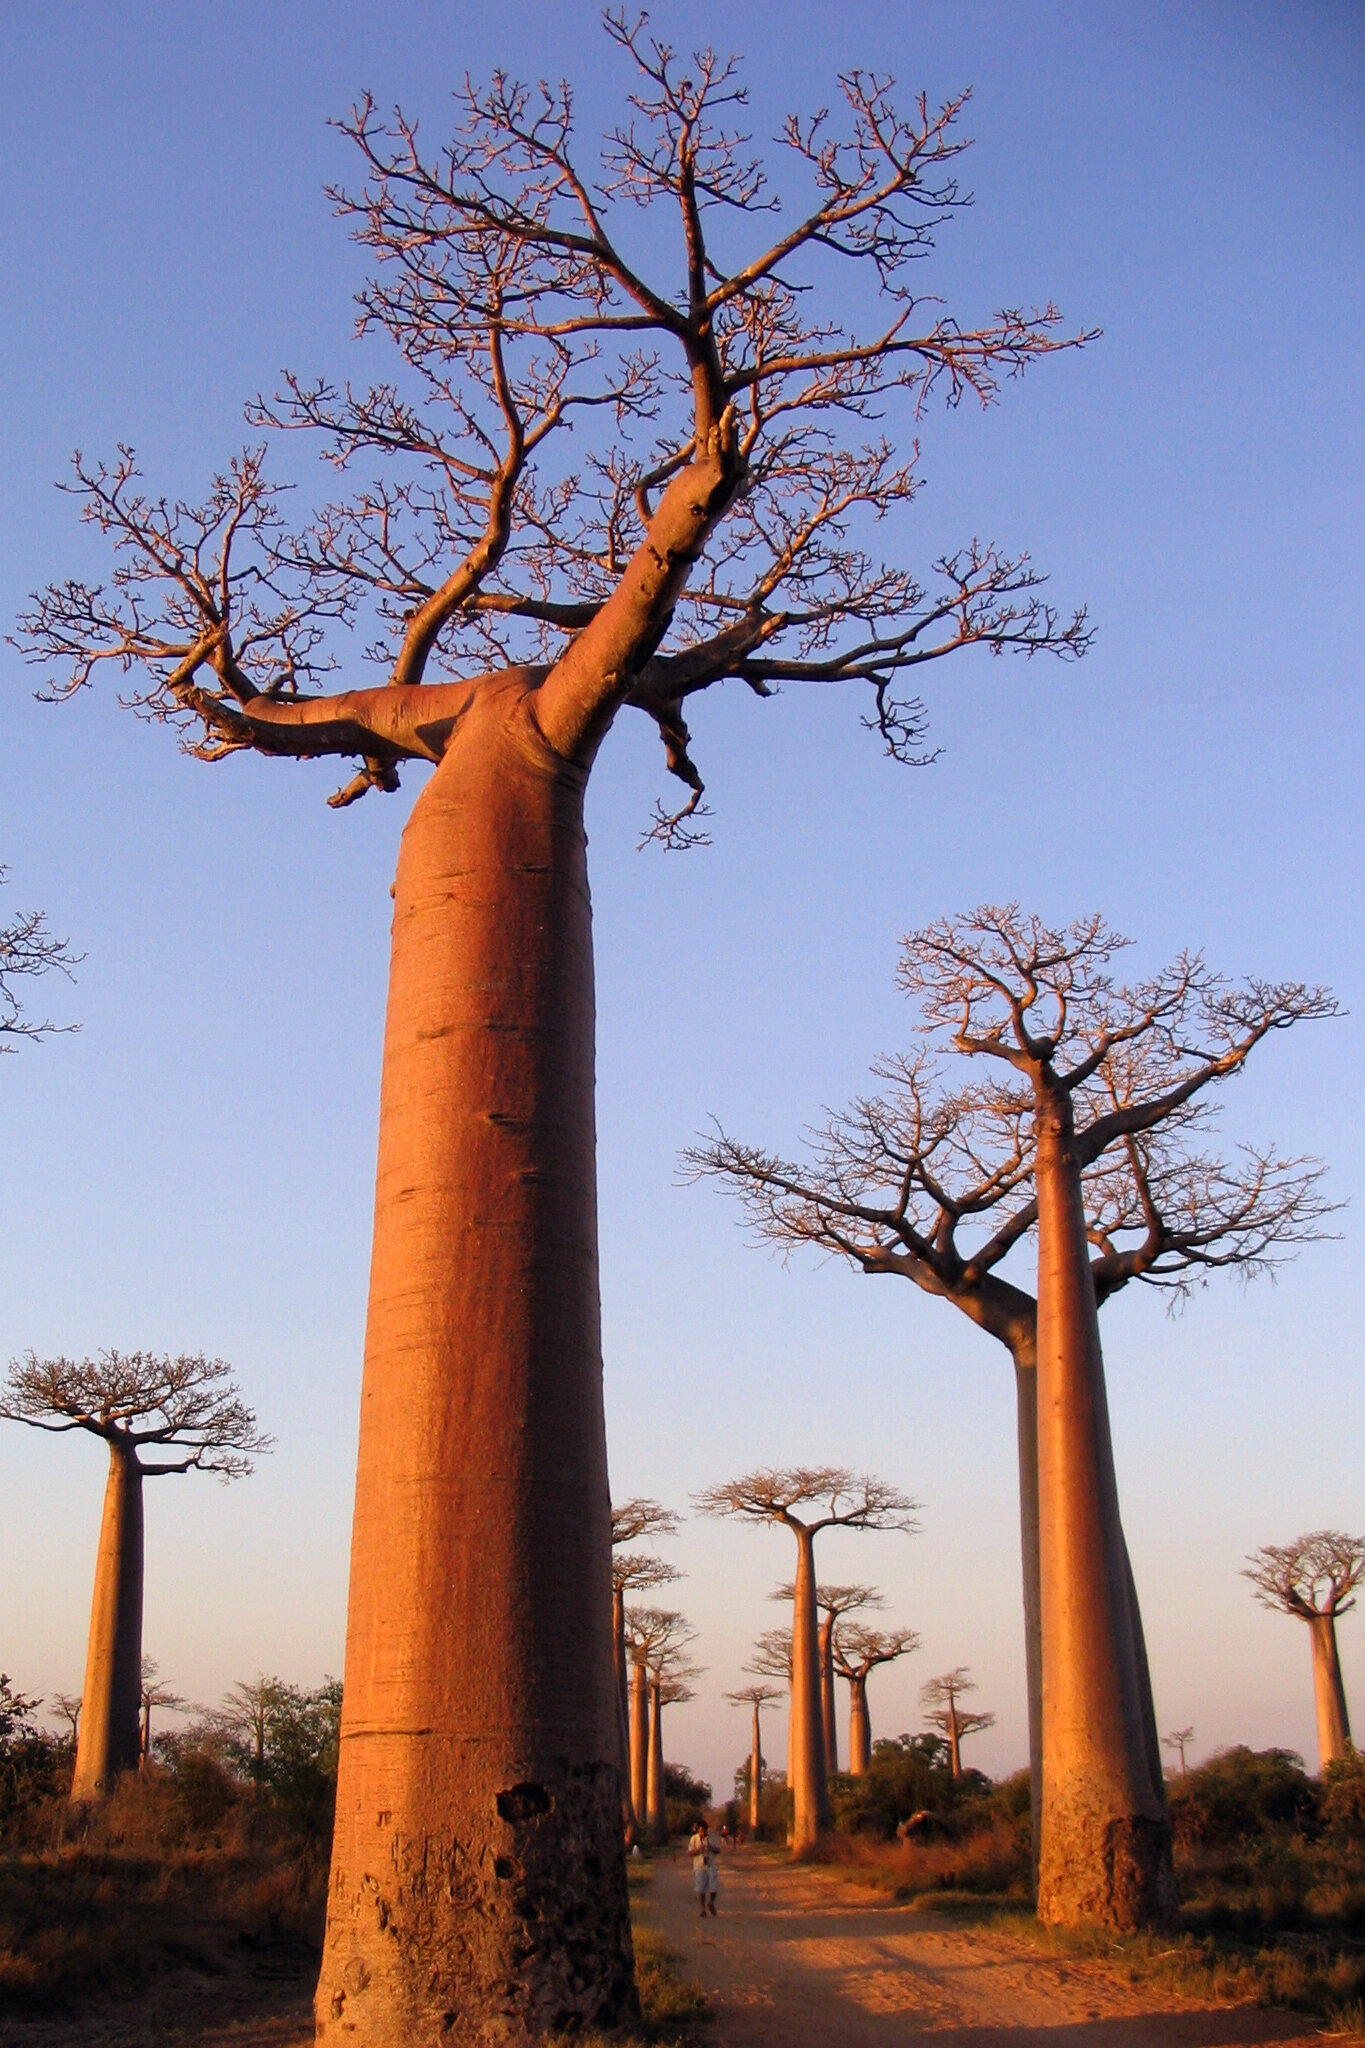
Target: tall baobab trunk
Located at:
point(859, 1728)
point(755, 1775)
point(639, 1740)
point(1026, 1414)
point(827, 1708)
point(954, 1743)
point(1334, 1726)
point(618, 1661)
point(478, 1876)
point(656, 1797)
point(806, 1759)
point(110, 1738)
point(1106, 1848)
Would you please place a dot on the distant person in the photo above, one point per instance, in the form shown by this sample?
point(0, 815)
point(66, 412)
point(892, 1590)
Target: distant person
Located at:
point(705, 1882)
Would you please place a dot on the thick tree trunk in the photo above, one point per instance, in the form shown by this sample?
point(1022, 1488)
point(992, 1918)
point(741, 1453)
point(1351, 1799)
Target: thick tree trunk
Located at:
point(656, 1798)
point(639, 1741)
point(111, 1703)
point(859, 1728)
point(1334, 1726)
point(806, 1758)
point(1106, 1848)
point(755, 1776)
point(478, 1878)
point(619, 1662)
point(1026, 1414)
point(954, 1743)
point(827, 1707)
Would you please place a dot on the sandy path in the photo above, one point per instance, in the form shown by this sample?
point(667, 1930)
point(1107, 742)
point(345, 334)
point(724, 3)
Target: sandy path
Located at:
point(802, 1959)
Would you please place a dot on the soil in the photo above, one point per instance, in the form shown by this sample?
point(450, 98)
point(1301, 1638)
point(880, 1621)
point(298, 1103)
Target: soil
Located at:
point(804, 1956)
point(796, 1958)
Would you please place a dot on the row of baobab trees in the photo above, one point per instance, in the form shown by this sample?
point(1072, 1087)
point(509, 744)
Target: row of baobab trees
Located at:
point(632, 449)
point(654, 1668)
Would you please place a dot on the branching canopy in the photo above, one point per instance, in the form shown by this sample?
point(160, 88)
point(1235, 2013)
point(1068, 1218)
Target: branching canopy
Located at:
point(756, 1695)
point(575, 343)
point(635, 1571)
point(858, 1650)
point(641, 1517)
point(657, 1638)
point(137, 1399)
point(841, 1499)
point(942, 1694)
point(28, 949)
point(772, 1656)
point(834, 1601)
point(935, 1181)
point(1316, 1574)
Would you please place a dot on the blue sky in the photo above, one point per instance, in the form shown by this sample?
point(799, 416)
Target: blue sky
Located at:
point(194, 1168)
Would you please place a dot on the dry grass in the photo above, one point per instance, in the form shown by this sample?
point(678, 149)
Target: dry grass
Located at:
point(993, 1861)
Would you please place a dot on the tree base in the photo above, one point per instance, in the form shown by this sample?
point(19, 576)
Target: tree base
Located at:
point(495, 1943)
point(1113, 1873)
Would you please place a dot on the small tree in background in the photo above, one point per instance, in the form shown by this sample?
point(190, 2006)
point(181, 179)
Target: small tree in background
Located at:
point(647, 1630)
point(186, 1412)
point(633, 1572)
point(832, 1602)
point(1177, 1739)
point(755, 1697)
point(857, 1651)
point(68, 1705)
point(1314, 1579)
point(28, 949)
point(837, 1499)
point(941, 1695)
point(154, 1693)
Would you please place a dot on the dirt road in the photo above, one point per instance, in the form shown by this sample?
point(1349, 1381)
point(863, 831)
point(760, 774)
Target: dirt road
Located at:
point(800, 1959)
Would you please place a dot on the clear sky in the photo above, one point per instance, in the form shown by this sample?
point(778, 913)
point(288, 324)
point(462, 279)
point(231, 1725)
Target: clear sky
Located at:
point(194, 1169)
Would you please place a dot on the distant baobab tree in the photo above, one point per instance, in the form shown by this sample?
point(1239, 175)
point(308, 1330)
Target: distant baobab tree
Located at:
point(633, 1572)
point(648, 1631)
point(1314, 1579)
point(1092, 1144)
point(28, 949)
point(187, 1413)
point(1177, 1739)
point(831, 1497)
point(857, 1651)
point(832, 1602)
point(669, 1686)
point(941, 1696)
point(755, 1697)
point(68, 1705)
point(154, 1693)
point(590, 482)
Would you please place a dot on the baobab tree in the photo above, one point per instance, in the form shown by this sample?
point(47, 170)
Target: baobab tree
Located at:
point(648, 1629)
point(633, 1572)
point(833, 1498)
point(154, 1693)
point(68, 1705)
point(1314, 1579)
point(668, 1686)
point(188, 1414)
point(755, 1697)
point(941, 1696)
point(1177, 1739)
point(591, 483)
point(857, 1651)
point(831, 1602)
point(28, 949)
point(940, 1185)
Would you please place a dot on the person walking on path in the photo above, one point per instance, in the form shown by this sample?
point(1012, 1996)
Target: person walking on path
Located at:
point(705, 1882)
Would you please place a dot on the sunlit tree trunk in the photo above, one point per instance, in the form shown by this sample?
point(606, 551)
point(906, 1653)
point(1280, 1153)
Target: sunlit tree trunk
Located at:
point(755, 1775)
point(111, 1703)
point(656, 1797)
point(619, 1662)
point(639, 1739)
point(859, 1728)
point(478, 1799)
point(1334, 1726)
point(1026, 1413)
point(1105, 1853)
point(806, 1759)
point(827, 1707)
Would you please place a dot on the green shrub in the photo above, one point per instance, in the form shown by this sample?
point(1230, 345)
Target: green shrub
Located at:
point(1238, 1794)
point(1342, 1806)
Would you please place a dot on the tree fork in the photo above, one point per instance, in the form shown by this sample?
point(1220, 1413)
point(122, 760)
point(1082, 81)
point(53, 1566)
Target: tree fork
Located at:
point(478, 1877)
